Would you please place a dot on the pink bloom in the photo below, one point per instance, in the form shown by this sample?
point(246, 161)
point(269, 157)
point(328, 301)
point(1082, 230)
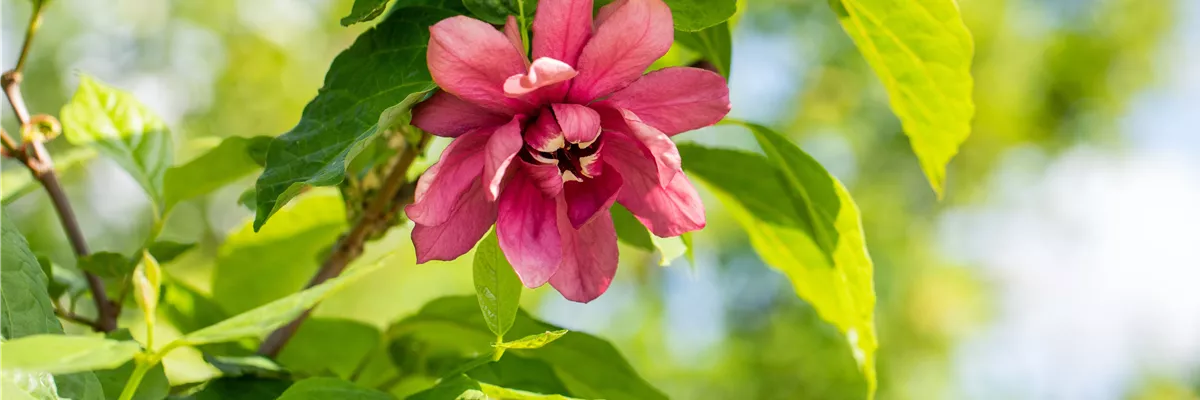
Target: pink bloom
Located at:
point(543, 148)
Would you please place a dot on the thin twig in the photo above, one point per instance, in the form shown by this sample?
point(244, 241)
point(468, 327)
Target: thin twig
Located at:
point(71, 316)
point(33, 154)
point(396, 192)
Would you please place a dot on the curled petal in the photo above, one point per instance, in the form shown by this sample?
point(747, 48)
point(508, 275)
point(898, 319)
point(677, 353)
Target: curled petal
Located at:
point(667, 210)
point(471, 59)
point(545, 176)
point(579, 123)
point(591, 197)
point(473, 216)
point(543, 72)
point(654, 144)
point(676, 99)
point(444, 182)
point(502, 146)
point(561, 28)
point(630, 38)
point(448, 116)
point(528, 231)
point(589, 259)
point(544, 134)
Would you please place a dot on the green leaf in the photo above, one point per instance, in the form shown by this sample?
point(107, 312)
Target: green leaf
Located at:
point(364, 10)
point(629, 230)
point(922, 52)
point(802, 222)
point(165, 250)
point(123, 129)
point(26, 308)
point(242, 388)
point(29, 388)
point(695, 15)
point(262, 320)
point(331, 388)
point(224, 164)
point(60, 354)
point(368, 89)
point(245, 366)
point(324, 345)
point(106, 264)
point(523, 373)
point(689, 251)
point(713, 43)
point(463, 388)
point(496, 285)
point(455, 322)
point(289, 251)
point(534, 341)
point(496, 12)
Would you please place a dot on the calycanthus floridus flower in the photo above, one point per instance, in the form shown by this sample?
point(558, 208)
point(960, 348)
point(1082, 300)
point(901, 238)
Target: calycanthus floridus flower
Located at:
point(543, 148)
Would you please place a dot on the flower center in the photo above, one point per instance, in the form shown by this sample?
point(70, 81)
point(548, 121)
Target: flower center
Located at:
point(575, 161)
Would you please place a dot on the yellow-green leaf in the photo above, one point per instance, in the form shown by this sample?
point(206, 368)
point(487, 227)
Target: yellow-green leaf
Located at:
point(922, 52)
point(802, 222)
point(496, 285)
point(534, 341)
point(61, 354)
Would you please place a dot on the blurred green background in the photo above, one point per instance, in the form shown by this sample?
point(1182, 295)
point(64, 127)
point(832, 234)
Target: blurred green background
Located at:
point(1060, 265)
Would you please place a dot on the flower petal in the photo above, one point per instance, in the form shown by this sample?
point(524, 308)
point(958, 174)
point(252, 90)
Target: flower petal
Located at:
point(543, 72)
point(544, 135)
point(628, 41)
point(654, 144)
point(448, 116)
point(528, 231)
point(561, 28)
point(512, 31)
point(676, 99)
point(579, 123)
point(502, 146)
point(589, 259)
point(471, 59)
point(460, 166)
point(592, 197)
point(473, 216)
point(667, 210)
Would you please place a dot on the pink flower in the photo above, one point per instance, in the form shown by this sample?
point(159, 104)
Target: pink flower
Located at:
point(543, 149)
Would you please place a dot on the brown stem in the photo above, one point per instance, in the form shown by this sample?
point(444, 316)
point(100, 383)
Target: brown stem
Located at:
point(396, 192)
point(35, 157)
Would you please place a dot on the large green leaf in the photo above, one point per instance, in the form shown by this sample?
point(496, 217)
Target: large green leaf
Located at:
point(922, 52)
point(368, 89)
point(713, 43)
point(695, 15)
point(262, 320)
point(123, 129)
point(802, 222)
point(288, 251)
point(222, 165)
point(324, 345)
point(496, 285)
point(242, 388)
point(516, 372)
point(455, 322)
point(331, 388)
point(26, 308)
point(61, 354)
point(364, 10)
